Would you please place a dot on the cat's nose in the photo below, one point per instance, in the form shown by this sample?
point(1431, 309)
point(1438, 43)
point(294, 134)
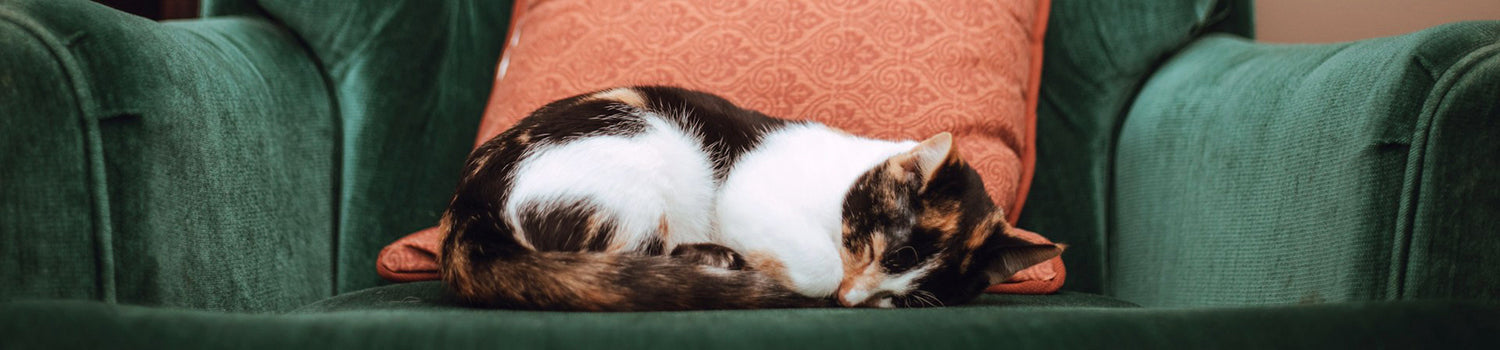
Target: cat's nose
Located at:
point(852, 298)
point(844, 301)
point(859, 298)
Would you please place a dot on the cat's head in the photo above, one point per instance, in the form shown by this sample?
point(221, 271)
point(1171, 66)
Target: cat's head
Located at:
point(919, 230)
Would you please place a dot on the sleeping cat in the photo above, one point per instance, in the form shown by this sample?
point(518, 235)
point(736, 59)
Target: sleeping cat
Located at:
point(661, 198)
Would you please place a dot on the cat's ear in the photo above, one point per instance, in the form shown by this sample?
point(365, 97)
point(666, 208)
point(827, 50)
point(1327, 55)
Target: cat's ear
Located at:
point(928, 156)
point(1013, 259)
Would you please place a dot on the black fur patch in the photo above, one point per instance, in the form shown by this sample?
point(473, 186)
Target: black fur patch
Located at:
point(655, 246)
point(572, 227)
point(485, 264)
point(879, 203)
point(957, 182)
point(709, 254)
point(726, 130)
point(949, 211)
point(952, 286)
point(562, 123)
point(475, 208)
point(474, 212)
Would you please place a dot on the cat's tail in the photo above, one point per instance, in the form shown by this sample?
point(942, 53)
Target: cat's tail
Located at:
point(591, 281)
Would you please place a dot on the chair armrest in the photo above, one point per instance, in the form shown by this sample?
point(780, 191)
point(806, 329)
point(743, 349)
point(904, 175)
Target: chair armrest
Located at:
point(184, 163)
point(1250, 173)
point(411, 80)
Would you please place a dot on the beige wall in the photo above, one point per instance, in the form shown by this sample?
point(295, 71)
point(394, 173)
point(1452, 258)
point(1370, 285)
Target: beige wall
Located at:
point(1314, 21)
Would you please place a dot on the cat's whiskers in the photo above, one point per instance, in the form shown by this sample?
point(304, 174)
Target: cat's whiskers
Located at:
point(927, 298)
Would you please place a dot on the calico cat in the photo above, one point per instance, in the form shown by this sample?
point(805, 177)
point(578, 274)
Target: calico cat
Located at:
point(662, 198)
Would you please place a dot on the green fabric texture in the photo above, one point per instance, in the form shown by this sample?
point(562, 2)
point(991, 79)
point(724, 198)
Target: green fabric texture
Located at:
point(1451, 243)
point(411, 80)
point(227, 182)
point(183, 164)
point(47, 230)
point(1251, 174)
point(216, 8)
point(429, 295)
point(1352, 326)
point(1096, 56)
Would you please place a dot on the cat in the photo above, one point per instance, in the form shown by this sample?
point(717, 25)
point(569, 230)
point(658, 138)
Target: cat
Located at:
point(654, 198)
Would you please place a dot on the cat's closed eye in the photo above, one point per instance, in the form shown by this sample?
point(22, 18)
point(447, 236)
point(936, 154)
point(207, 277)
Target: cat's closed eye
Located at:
point(900, 260)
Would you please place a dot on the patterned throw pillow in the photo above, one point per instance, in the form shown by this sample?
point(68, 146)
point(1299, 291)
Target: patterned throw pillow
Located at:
point(893, 69)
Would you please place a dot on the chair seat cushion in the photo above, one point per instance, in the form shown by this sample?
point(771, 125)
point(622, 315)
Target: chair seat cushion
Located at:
point(429, 295)
point(997, 322)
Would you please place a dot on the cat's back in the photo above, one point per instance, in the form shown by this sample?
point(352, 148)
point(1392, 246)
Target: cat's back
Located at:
point(625, 169)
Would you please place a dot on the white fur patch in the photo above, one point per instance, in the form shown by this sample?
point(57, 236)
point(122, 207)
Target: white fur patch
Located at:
point(786, 198)
point(899, 284)
point(902, 283)
point(638, 180)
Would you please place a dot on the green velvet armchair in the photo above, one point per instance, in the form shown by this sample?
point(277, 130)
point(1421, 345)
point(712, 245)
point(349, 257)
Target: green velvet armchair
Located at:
point(227, 181)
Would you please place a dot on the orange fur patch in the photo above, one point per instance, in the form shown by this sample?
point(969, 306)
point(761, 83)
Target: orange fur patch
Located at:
point(841, 131)
point(867, 279)
point(454, 265)
point(980, 234)
point(860, 269)
point(664, 230)
point(479, 164)
point(616, 245)
point(894, 168)
point(767, 265)
point(445, 223)
point(586, 281)
point(983, 230)
point(627, 96)
point(565, 283)
point(595, 228)
point(520, 238)
point(942, 216)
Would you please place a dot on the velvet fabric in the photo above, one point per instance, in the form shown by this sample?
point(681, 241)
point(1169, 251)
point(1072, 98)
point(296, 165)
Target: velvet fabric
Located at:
point(181, 164)
point(410, 80)
point(1097, 56)
point(226, 182)
point(1254, 174)
point(1007, 325)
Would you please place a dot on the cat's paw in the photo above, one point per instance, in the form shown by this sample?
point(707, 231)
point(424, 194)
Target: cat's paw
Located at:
point(709, 254)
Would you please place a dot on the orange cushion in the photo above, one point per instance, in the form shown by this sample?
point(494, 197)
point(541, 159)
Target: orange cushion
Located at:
point(1043, 278)
point(894, 69)
point(412, 258)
